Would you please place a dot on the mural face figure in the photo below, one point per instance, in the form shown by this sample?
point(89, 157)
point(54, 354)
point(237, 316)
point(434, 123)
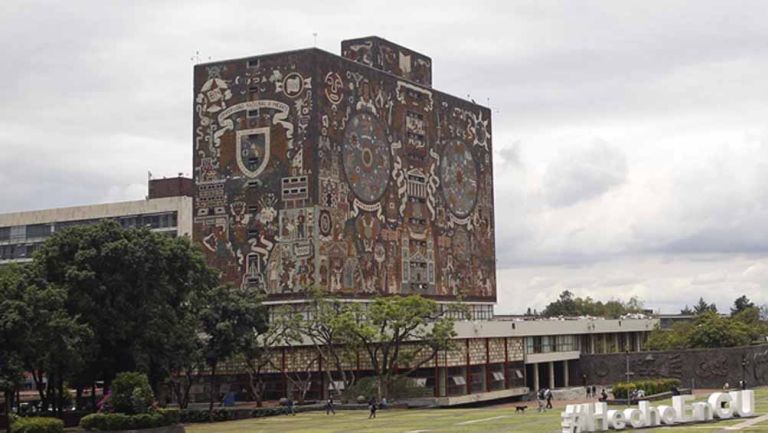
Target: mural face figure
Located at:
point(366, 157)
point(458, 175)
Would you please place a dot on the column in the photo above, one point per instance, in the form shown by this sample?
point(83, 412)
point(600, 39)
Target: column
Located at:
point(536, 384)
point(551, 367)
point(591, 343)
point(639, 341)
point(565, 374)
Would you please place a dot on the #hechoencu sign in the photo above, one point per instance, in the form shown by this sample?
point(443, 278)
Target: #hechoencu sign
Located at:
point(592, 417)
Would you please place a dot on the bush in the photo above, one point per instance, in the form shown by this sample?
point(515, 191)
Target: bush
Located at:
point(650, 386)
point(38, 425)
point(120, 421)
point(131, 393)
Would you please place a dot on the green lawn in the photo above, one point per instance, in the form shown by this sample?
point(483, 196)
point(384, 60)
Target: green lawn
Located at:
point(486, 420)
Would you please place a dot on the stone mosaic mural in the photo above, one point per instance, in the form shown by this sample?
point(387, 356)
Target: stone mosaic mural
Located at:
point(316, 170)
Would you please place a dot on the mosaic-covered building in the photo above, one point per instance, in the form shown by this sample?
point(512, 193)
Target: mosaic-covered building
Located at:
point(349, 173)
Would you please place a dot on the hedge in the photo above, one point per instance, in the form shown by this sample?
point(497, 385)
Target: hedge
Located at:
point(650, 386)
point(190, 416)
point(121, 421)
point(37, 425)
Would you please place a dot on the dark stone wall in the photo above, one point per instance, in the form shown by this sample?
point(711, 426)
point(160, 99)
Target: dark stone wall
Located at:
point(312, 169)
point(708, 368)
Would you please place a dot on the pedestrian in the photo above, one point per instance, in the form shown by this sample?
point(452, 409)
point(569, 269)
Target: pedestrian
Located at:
point(603, 395)
point(594, 391)
point(548, 395)
point(372, 408)
point(589, 392)
point(329, 407)
point(743, 385)
point(289, 407)
point(540, 400)
point(383, 404)
point(726, 387)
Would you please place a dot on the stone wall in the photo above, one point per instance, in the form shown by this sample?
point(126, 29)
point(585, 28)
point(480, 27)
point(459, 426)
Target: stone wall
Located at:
point(705, 368)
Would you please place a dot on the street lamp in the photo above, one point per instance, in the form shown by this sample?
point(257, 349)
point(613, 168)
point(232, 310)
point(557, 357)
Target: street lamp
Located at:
point(743, 371)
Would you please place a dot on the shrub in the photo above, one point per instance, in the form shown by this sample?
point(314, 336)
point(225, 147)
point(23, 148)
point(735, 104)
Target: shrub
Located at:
point(131, 393)
point(650, 386)
point(120, 421)
point(38, 425)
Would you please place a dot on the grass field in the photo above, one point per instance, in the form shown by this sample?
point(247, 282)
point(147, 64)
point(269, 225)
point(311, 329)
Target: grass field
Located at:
point(495, 419)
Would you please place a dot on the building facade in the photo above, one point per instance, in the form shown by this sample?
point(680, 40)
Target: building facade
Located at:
point(21, 233)
point(350, 174)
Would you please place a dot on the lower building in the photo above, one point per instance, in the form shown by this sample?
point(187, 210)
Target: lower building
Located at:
point(21, 233)
point(491, 359)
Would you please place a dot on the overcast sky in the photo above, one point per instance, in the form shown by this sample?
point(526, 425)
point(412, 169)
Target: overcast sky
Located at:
point(630, 138)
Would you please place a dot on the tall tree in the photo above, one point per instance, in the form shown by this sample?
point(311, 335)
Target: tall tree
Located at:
point(14, 330)
point(702, 307)
point(396, 332)
point(230, 318)
point(131, 287)
point(326, 329)
point(740, 304)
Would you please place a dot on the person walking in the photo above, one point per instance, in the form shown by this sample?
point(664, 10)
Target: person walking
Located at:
point(289, 407)
point(594, 391)
point(540, 400)
point(548, 395)
point(589, 392)
point(329, 407)
point(372, 408)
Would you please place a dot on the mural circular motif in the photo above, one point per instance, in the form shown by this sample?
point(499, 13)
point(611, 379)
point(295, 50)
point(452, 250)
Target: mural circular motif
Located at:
point(366, 157)
point(325, 223)
point(458, 175)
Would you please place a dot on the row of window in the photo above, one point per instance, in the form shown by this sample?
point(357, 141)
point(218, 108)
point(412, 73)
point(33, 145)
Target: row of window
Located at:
point(35, 232)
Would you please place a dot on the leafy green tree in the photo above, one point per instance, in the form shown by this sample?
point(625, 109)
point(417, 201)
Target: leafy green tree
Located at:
point(686, 311)
point(673, 339)
point(570, 305)
point(53, 341)
point(711, 330)
point(326, 329)
point(132, 288)
point(398, 331)
point(260, 350)
point(740, 304)
point(13, 331)
point(230, 319)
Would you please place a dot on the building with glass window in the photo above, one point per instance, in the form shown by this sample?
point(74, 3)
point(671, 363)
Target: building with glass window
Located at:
point(167, 209)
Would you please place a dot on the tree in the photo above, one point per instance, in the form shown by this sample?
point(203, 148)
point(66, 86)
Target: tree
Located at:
point(702, 307)
point(230, 319)
point(398, 331)
point(569, 305)
point(711, 330)
point(564, 306)
point(13, 331)
point(52, 342)
point(132, 288)
point(740, 304)
point(686, 311)
point(673, 339)
point(327, 331)
point(260, 350)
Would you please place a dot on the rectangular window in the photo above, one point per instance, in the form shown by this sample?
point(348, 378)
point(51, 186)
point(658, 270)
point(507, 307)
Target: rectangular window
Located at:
point(5, 233)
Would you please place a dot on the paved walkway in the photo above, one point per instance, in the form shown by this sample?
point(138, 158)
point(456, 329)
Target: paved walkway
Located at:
point(742, 425)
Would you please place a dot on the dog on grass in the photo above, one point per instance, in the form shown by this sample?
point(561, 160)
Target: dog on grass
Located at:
point(520, 409)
